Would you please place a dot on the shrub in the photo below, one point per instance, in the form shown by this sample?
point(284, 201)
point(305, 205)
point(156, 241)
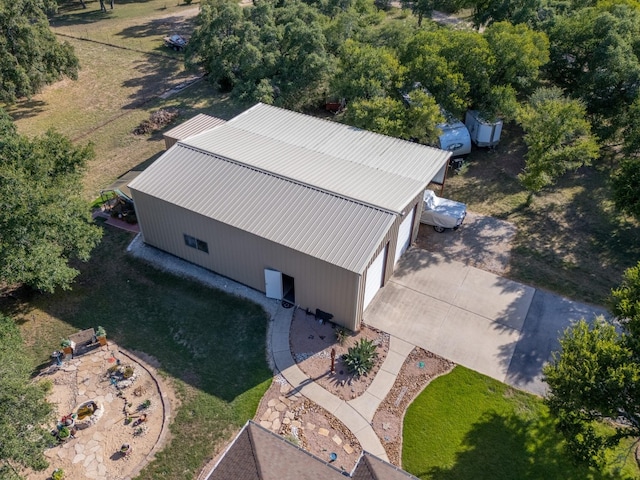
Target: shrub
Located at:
point(361, 358)
point(58, 474)
point(341, 335)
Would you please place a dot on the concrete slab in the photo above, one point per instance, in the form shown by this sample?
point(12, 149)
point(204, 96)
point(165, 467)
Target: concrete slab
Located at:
point(353, 420)
point(381, 385)
point(394, 361)
point(494, 297)
point(547, 319)
point(280, 342)
point(366, 405)
point(398, 345)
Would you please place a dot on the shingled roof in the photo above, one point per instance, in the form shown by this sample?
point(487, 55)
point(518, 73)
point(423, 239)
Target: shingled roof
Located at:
point(259, 454)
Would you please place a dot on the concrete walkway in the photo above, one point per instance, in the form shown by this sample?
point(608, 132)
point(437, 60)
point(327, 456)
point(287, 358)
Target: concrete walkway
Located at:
point(356, 414)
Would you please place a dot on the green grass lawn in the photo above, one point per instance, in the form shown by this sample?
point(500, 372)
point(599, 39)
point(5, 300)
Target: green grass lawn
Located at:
point(210, 345)
point(466, 426)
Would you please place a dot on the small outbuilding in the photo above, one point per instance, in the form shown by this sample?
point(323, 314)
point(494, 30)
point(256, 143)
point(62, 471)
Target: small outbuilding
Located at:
point(309, 211)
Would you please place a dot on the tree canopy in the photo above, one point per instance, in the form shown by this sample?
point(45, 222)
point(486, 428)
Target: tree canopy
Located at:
point(23, 407)
point(274, 54)
point(558, 137)
point(30, 54)
point(44, 223)
point(595, 378)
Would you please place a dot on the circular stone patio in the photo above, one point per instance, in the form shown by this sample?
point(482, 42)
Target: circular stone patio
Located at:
point(94, 453)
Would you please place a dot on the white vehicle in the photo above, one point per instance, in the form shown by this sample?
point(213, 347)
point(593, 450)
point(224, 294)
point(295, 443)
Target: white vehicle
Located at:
point(483, 132)
point(455, 138)
point(442, 213)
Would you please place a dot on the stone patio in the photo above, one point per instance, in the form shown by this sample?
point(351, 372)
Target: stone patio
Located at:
point(93, 452)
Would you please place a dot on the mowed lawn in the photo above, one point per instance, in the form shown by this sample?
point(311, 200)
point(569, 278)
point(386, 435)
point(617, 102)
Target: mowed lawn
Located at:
point(209, 345)
point(466, 426)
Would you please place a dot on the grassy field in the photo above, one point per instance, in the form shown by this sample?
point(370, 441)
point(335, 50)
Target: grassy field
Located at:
point(467, 426)
point(119, 87)
point(210, 345)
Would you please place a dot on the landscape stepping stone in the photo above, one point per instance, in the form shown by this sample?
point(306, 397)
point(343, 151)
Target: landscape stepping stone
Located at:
point(273, 416)
point(281, 407)
point(286, 421)
point(310, 426)
point(323, 431)
point(266, 425)
point(289, 415)
point(337, 440)
point(296, 424)
point(272, 403)
point(347, 448)
point(276, 425)
point(266, 414)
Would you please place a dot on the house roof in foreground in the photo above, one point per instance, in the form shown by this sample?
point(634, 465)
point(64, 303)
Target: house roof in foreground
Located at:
point(376, 169)
point(259, 454)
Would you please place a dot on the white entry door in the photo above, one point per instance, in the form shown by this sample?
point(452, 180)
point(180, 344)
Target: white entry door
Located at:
point(273, 283)
point(404, 235)
point(375, 275)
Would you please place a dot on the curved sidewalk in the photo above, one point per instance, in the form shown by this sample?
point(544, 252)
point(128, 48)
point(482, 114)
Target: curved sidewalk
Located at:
point(355, 414)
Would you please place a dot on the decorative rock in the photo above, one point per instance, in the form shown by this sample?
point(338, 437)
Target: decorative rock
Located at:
point(284, 389)
point(310, 426)
point(296, 423)
point(266, 414)
point(272, 403)
point(286, 421)
point(275, 426)
point(265, 424)
point(347, 448)
point(323, 431)
point(281, 407)
point(337, 440)
point(273, 416)
point(289, 415)
point(385, 426)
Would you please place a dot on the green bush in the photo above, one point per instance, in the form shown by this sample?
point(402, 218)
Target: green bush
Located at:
point(341, 335)
point(361, 358)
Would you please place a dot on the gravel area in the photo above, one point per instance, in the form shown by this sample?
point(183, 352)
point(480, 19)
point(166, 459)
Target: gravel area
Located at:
point(311, 343)
point(418, 370)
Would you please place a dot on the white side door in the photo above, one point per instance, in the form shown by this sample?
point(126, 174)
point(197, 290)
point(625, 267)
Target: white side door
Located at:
point(273, 283)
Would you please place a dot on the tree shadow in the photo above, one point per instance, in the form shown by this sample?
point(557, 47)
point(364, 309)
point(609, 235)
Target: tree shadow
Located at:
point(209, 339)
point(25, 108)
point(160, 26)
point(527, 450)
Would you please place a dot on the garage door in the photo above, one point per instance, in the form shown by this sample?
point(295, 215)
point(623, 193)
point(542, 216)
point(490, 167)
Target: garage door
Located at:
point(375, 275)
point(404, 235)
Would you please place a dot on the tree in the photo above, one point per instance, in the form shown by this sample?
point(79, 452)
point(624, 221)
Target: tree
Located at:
point(557, 135)
point(365, 71)
point(625, 183)
point(44, 223)
point(595, 378)
point(487, 12)
point(23, 407)
point(519, 54)
point(391, 117)
point(30, 55)
point(595, 56)
point(275, 54)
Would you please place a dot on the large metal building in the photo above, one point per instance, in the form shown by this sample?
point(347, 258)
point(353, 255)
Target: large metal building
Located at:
point(307, 210)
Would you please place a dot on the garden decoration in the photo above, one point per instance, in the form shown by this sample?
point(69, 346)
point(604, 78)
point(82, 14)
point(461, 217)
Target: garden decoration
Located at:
point(101, 335)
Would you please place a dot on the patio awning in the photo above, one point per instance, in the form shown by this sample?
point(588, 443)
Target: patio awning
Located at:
point(121, 186)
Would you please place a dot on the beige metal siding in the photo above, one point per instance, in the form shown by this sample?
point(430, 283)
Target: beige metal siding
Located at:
point(243, 257)
point(337, 230)
point(198, 124)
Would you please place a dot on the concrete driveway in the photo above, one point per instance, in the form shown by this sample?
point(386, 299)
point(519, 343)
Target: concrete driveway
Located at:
point(498, 327)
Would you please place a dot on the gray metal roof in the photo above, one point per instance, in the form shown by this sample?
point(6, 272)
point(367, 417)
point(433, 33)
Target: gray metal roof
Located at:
point(375, 169)
point(193, 126)
point(326, 226)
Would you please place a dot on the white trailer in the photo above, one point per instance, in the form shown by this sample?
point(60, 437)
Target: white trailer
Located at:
point(483, 132)
point(454, 138)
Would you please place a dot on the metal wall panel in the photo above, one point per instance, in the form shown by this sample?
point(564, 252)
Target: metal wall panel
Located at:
point(243, 257)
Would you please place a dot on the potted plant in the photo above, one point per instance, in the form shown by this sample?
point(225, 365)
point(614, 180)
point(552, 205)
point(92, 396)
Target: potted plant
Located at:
point(58, 474)
point(67, 347)
point(64, 433)
point(101, 335)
